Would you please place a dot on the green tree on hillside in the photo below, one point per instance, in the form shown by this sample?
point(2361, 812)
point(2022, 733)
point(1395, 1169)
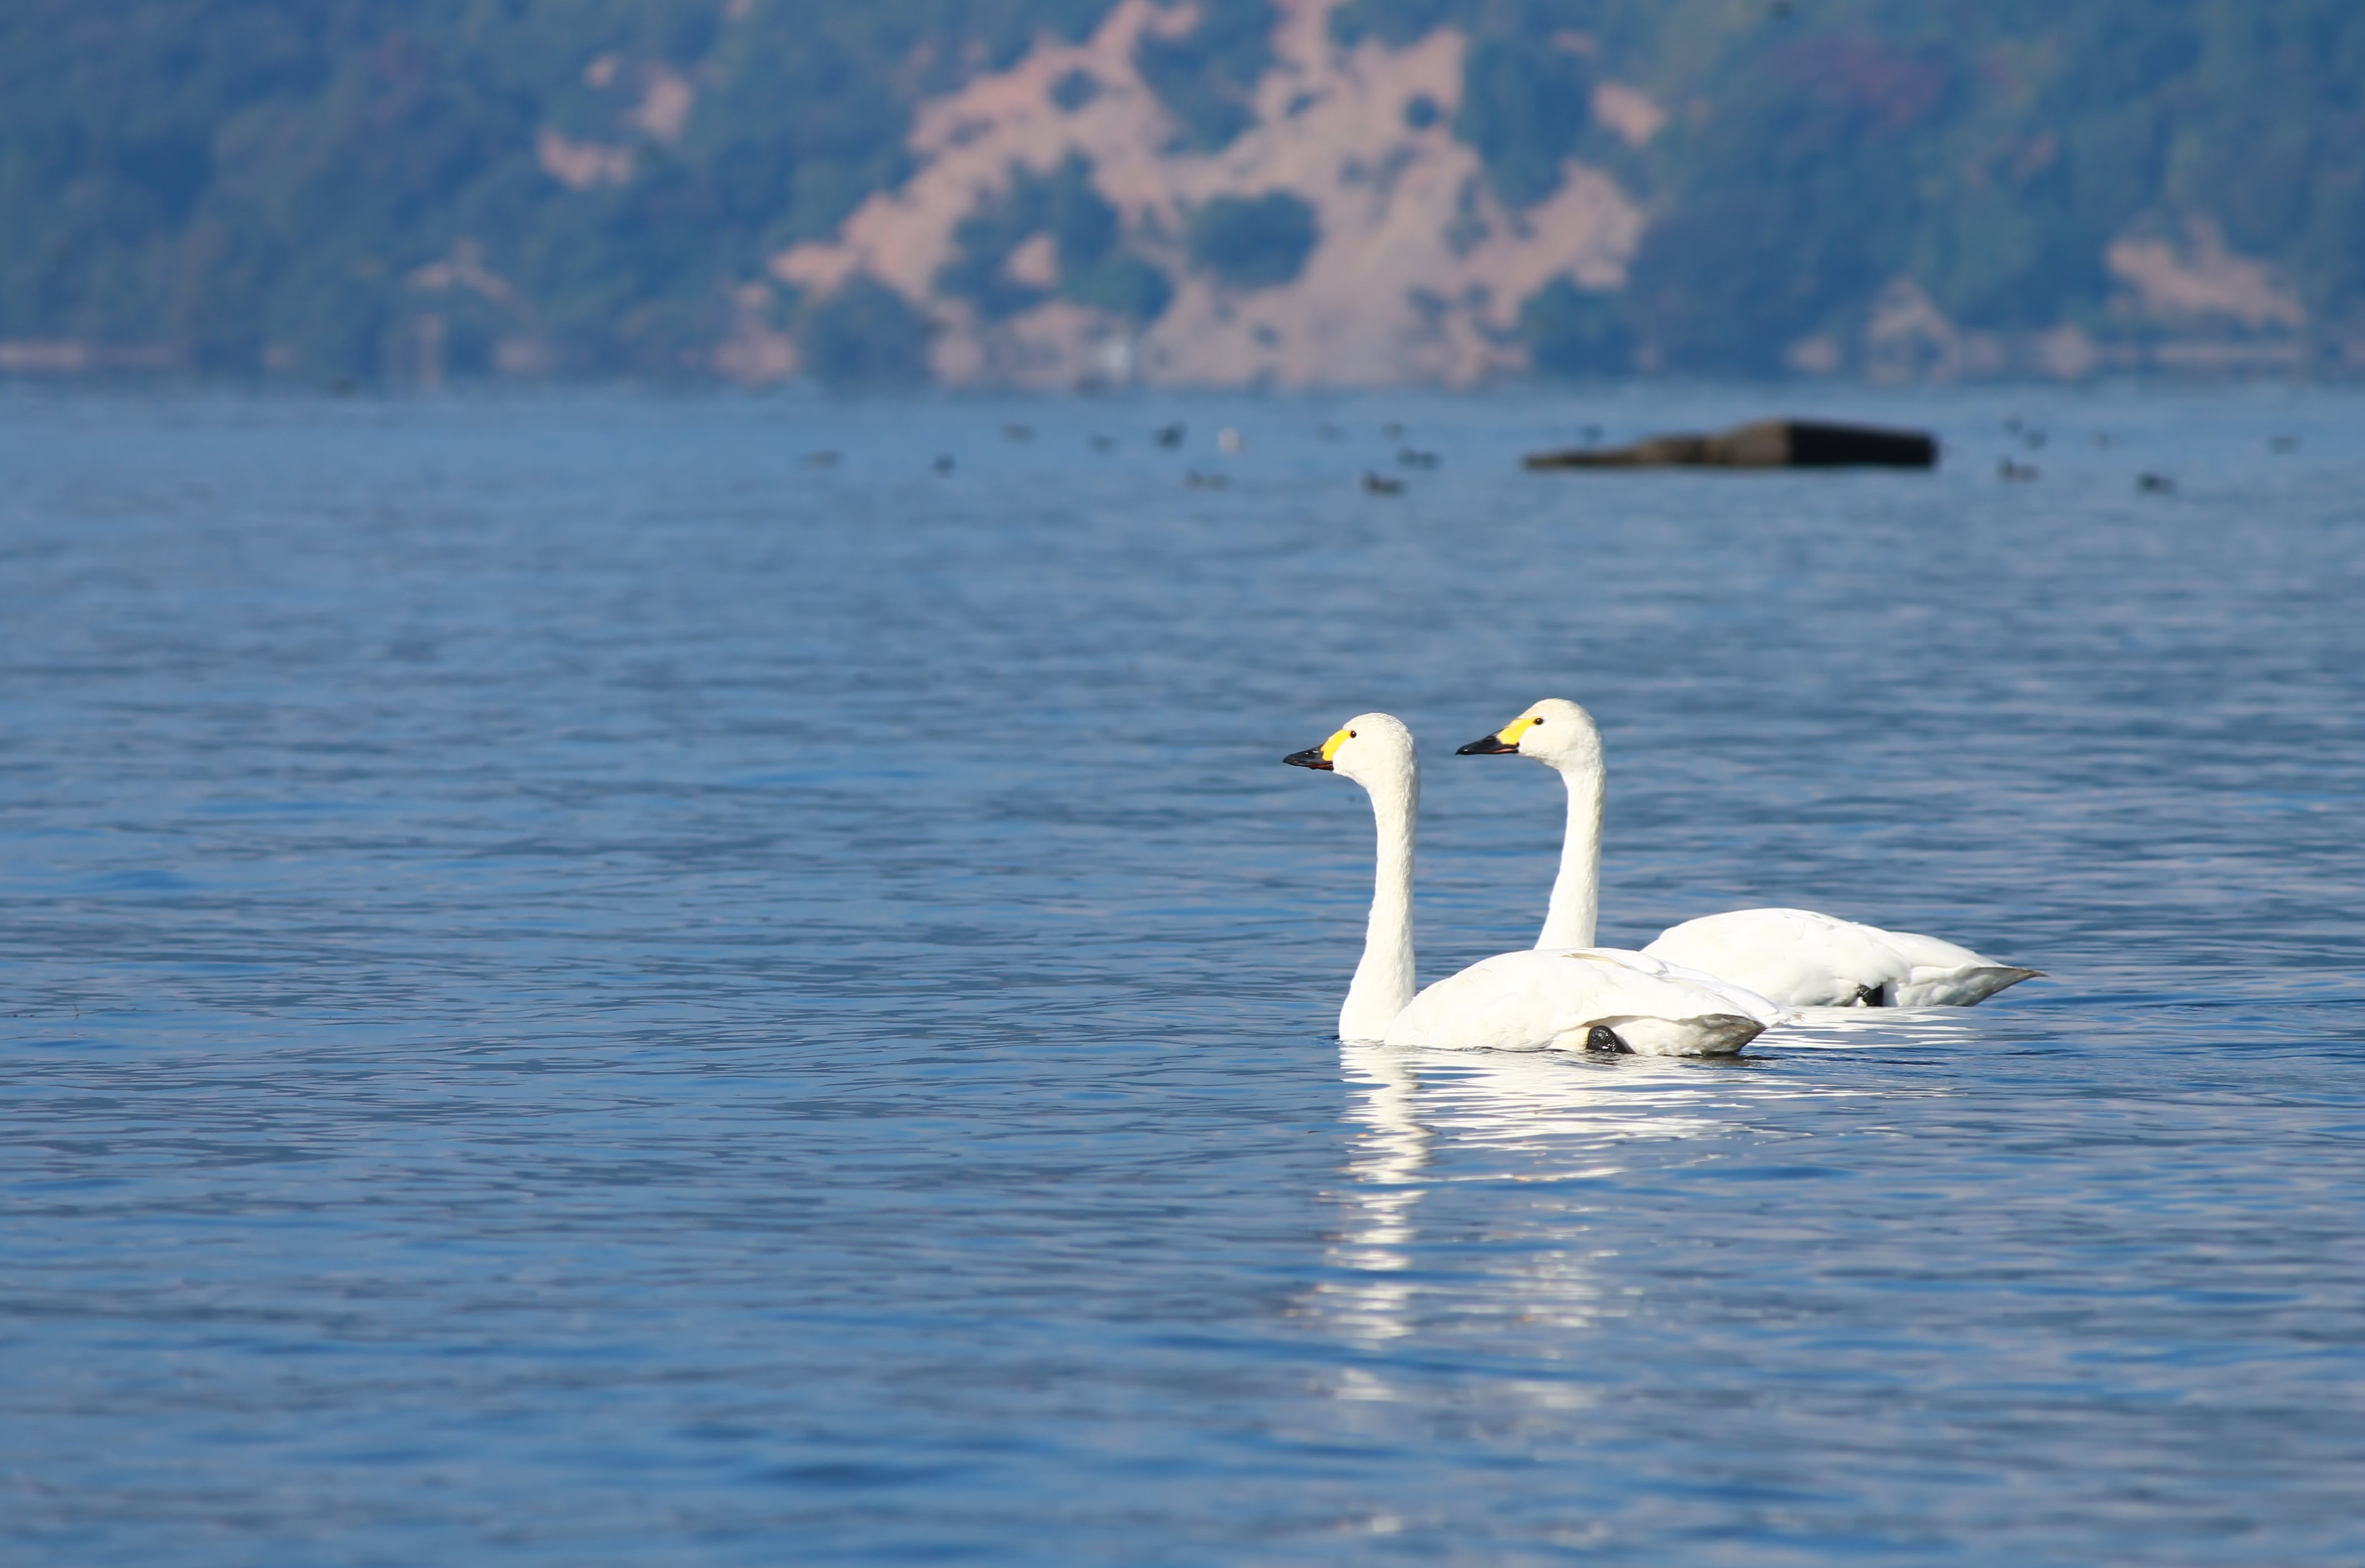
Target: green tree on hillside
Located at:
point(1253, 242)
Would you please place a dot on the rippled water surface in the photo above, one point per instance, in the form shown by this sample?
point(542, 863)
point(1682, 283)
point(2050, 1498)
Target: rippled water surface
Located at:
point(583, 985)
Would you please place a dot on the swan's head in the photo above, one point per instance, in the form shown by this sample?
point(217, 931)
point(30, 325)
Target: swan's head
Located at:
point(1370, 749)
point(1555, 732)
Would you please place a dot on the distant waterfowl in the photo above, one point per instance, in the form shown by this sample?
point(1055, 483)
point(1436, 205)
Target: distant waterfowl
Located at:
point(1591, 998)
point(1795, 957)
point(1382, 484)
point(1169, 436)
point(1410, 457)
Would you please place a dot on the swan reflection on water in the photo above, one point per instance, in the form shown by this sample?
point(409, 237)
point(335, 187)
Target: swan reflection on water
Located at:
point(1546, 1120)
point(1429, 1117)
point(1872, 1028)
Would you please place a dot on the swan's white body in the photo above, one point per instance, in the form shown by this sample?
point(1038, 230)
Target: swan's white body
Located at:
point(1795, 957)
point(1527, 1001)
point(1815, 960)
point(1530, 1000)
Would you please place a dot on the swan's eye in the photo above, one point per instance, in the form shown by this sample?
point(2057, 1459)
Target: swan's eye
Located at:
point(1350, 734)
point(1535, 721)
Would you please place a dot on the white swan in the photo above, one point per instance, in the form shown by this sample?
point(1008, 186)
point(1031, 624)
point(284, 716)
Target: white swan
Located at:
point(1594, 999)
point(1795, 957)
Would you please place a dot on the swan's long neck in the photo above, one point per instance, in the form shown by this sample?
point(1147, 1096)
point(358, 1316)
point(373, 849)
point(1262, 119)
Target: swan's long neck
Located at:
point(1383, 981)
point(1577, 892)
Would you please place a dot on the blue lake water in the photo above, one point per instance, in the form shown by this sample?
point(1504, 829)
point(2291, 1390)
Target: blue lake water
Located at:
point(583, 987)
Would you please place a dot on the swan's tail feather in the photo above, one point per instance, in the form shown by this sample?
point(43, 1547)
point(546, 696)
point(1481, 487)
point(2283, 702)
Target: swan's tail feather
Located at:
point(1964, 988)
point(2002, 977)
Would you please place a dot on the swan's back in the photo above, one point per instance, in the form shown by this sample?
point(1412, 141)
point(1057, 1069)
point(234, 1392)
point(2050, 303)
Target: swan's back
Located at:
point(1535, 1001)
point(1801, 958)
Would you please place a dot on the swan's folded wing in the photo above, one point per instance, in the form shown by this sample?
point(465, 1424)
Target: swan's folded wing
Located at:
point(1795, 957)
point(1739, 997)
point(1922, 952)
point(1798, 958)
point(1531, 999)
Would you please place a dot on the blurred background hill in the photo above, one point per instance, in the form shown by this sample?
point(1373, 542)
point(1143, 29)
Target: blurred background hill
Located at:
point(1056, 192)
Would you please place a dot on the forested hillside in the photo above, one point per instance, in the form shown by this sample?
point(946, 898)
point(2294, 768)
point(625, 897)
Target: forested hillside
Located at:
point(1051, 190)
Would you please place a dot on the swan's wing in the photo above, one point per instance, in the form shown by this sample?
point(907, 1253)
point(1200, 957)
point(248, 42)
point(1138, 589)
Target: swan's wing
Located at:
point(1531, 999)
point(1742, 999)
point(1928, 952)
point(1795, 957)
point(1802, 959)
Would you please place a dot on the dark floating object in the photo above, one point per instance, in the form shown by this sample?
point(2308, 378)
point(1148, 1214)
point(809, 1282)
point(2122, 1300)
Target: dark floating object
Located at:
point(1382, 485)
point(1018, 432)
point(1103, 442)
point(1199, 481)
point(825, 458)
point(2155, 484)
point(1169, 435)
point(944, 464)
point(1409, 458)
point(1768, 444)
point(2007, 469)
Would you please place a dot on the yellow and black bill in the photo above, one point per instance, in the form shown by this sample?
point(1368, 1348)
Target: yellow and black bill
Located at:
point(1505, 739)
point(1317, 757)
